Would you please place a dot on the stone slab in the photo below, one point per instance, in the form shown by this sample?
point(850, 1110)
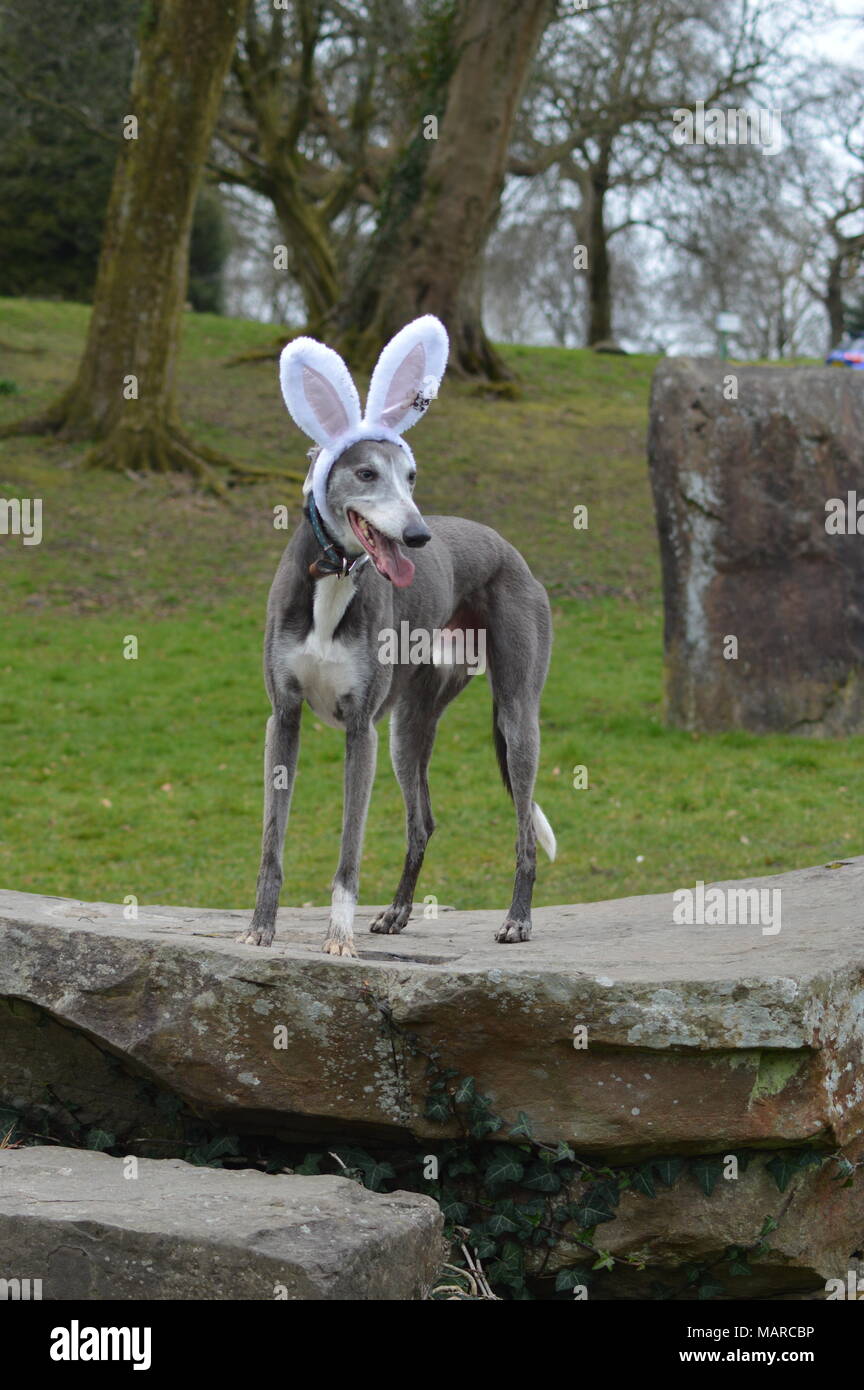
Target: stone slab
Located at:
point(698, 1036)
point(72, 1219)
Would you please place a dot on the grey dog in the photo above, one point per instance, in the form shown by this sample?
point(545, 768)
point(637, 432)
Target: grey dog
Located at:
point(327, 610)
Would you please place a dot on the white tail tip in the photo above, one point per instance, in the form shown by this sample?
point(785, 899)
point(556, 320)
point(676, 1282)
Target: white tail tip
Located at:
point(543, 830)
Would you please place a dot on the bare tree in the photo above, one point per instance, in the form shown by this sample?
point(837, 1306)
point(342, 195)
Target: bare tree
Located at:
point(442, 197)
point(308, 122)
point(828, 176)
point(124, 395)
point(600, 107)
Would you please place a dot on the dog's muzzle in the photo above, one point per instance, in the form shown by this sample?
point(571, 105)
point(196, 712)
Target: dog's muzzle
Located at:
point(416, 534)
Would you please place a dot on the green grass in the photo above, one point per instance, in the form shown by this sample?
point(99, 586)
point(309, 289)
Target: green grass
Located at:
point(143, 777)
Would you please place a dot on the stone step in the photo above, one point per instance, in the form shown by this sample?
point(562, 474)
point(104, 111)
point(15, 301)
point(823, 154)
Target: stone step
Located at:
point(699, 1037)
point(93, 1227)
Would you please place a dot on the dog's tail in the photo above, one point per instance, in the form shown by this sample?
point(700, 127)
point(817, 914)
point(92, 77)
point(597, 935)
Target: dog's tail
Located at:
point(542, 829)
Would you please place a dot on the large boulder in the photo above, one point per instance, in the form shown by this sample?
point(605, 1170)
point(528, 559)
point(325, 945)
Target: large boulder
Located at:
point(743, 462)
point(93, 1227)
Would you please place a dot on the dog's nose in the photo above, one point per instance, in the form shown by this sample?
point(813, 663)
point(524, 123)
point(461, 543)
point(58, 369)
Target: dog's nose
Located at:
point(416, 533)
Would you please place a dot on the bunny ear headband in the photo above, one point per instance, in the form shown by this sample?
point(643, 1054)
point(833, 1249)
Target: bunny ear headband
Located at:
point(323, 401)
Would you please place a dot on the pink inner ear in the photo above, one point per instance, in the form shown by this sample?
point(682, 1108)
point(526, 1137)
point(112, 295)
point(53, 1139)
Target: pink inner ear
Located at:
point(406, 382)
point(325, 401)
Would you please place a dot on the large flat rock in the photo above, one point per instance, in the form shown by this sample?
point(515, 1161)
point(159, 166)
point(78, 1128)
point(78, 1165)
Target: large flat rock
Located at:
point(89, 1230)
point(699, 1037)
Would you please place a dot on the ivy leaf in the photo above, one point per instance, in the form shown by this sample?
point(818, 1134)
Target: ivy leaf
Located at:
point(438, 1108)
point(642, 1181)
point(606, 1192)
point(522, 1126)
point(668, 1170)
point(513, 1255)
point(768, 1225)
point(591, 1212)
point(100, 1140)
point(502, 1167)
point(311, 1165)
point(455, 1212)
point(465, 1091)
point(739, 1267)
point(500, 1225)
point(480, 1127)
point(782, 1169)
point(707, 1172)
point(809, 1158)
point(503, 1274)
point(482, 1243)
point(605, 1261)
point(710, 1291)
point(375, 1174)
point(456, 1167)
point(564, 1153)
point(531, 1212)
point(571, 1278)
point(543, 1179)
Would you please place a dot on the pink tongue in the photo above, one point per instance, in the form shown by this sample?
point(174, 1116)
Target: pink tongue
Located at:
point(397, 567)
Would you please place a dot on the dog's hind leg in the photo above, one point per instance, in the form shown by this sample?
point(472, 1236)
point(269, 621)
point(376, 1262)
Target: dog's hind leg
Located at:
point(360, 749)
point(517, 672)
point(281, 747)
point(520, 734)
point(412, 736)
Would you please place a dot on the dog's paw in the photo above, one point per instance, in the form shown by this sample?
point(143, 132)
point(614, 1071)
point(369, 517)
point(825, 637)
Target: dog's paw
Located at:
point(392, 920)
point(514, 931)
point(339, 946)
point(256, 936)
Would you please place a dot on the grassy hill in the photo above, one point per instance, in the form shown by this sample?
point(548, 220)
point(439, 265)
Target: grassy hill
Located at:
point(143, 777)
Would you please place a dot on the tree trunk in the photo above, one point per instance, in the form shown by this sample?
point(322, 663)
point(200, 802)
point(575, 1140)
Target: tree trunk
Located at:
point(443, 197)
point(834, 286)
point(313, 263)
point(124, 395)
point(599, 280)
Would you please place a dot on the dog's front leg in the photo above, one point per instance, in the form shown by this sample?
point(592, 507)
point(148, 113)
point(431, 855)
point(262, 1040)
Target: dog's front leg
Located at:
point(360, 748)
point(281, 747)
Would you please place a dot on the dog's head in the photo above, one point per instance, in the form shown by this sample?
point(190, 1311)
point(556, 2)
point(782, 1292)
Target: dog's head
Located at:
point(362, 475)
point(369, 498)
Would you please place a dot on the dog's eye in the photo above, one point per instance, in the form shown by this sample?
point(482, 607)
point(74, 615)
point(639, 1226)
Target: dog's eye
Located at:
point(412, 478)
point(366, 475)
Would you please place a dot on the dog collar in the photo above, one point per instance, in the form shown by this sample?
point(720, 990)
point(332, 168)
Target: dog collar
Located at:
point(333, 560)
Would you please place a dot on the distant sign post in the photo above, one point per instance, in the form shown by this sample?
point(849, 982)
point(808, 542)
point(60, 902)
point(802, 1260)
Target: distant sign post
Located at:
point(725, 324)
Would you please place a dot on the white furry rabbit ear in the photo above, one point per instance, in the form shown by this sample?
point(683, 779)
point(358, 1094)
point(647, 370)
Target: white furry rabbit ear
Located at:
point(318, 391)
point(407, 375)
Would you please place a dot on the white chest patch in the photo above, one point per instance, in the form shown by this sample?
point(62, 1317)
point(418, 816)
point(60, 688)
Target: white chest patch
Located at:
point(324, 667)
